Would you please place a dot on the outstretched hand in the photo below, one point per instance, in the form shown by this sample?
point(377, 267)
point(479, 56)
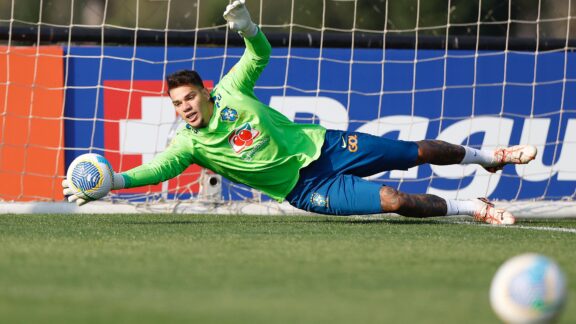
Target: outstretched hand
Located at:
point(69, 192)
point(239, 19)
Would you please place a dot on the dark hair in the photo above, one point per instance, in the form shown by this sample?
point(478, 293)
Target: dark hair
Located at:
point(184, 77)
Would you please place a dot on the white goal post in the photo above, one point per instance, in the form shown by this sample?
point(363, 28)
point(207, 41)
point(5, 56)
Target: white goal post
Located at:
point(80, 76)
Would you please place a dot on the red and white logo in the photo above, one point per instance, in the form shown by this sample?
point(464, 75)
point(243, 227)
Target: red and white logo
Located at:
point(242, 137)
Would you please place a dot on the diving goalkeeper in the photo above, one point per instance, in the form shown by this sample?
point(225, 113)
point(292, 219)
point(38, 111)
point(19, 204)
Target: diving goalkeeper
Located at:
point(229, 131)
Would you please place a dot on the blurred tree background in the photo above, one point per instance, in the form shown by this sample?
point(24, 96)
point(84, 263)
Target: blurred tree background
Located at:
point(428, 17)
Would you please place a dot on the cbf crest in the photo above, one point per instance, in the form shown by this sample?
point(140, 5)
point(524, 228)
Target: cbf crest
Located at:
point(319, 200)
point(228, 114)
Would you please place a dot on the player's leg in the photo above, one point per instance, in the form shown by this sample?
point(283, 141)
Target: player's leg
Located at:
point(443, 153)
point(426, 205)
point(350, 195)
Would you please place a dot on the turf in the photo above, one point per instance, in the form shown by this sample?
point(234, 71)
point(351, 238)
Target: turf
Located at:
point(269, 269)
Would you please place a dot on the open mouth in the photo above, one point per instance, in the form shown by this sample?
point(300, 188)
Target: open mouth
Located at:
point(192, 117)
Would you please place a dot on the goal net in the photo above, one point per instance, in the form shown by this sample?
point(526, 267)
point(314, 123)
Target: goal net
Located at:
point(80, 76)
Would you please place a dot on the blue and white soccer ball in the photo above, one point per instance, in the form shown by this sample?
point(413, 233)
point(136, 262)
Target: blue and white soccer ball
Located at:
point(528, 288)
point(90, 176)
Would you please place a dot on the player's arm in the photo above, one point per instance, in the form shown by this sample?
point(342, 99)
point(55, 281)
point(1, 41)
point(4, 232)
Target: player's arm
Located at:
point(166, 165)
point(257, 54)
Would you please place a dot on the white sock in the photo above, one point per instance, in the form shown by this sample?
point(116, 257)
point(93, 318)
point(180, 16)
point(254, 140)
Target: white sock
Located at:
point(474, 156)
point(461, 207)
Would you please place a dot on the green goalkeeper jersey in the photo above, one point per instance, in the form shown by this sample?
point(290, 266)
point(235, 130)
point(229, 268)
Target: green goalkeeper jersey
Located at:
point(245, 141)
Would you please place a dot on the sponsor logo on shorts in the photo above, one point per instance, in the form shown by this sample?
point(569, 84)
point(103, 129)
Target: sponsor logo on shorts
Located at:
point(352, 143)
point(344, 144)
point(319, 200)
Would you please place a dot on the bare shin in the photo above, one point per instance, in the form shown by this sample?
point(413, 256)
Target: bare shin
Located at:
point(439, 152)
point(420, 205)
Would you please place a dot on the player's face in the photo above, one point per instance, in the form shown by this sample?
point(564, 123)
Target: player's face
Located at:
point(193, 105)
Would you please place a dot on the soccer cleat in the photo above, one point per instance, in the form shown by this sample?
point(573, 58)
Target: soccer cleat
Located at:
point(519, 154)
point(487, 213)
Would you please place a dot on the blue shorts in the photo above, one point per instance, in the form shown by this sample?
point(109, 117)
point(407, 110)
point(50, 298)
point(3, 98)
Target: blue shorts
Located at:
point(333, 183)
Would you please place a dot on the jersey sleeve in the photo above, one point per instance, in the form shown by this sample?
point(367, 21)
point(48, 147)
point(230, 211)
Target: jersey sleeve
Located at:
point(166, 165)
point(245, 73)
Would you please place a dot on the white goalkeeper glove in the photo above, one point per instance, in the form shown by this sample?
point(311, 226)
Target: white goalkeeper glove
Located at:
point(239, 20)
point(118, 183)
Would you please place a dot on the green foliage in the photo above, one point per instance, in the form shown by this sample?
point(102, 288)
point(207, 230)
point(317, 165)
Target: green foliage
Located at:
point(430, 17)
point(236, 269)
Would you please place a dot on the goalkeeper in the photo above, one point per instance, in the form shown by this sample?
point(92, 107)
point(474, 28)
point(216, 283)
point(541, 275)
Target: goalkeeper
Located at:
point(233, 134)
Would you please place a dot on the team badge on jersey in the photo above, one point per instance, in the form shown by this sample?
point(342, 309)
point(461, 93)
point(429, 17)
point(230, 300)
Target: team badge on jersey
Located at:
point(242, 137)
point(229, 114)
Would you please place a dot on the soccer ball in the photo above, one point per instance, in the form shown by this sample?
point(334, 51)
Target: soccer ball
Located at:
point(528, 288)
point(90, 176)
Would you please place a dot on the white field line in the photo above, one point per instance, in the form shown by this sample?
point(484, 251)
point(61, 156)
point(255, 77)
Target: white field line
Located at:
point(546, 228)
point(458, 221)
point(536, 228)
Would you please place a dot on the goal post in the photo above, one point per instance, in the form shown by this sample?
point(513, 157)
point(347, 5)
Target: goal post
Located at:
point(92, 81)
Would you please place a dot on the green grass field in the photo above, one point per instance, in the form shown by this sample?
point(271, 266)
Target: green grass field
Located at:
point(269, 269)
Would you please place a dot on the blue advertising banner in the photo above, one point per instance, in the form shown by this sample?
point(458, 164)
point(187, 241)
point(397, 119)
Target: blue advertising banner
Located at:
point(483, 99)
